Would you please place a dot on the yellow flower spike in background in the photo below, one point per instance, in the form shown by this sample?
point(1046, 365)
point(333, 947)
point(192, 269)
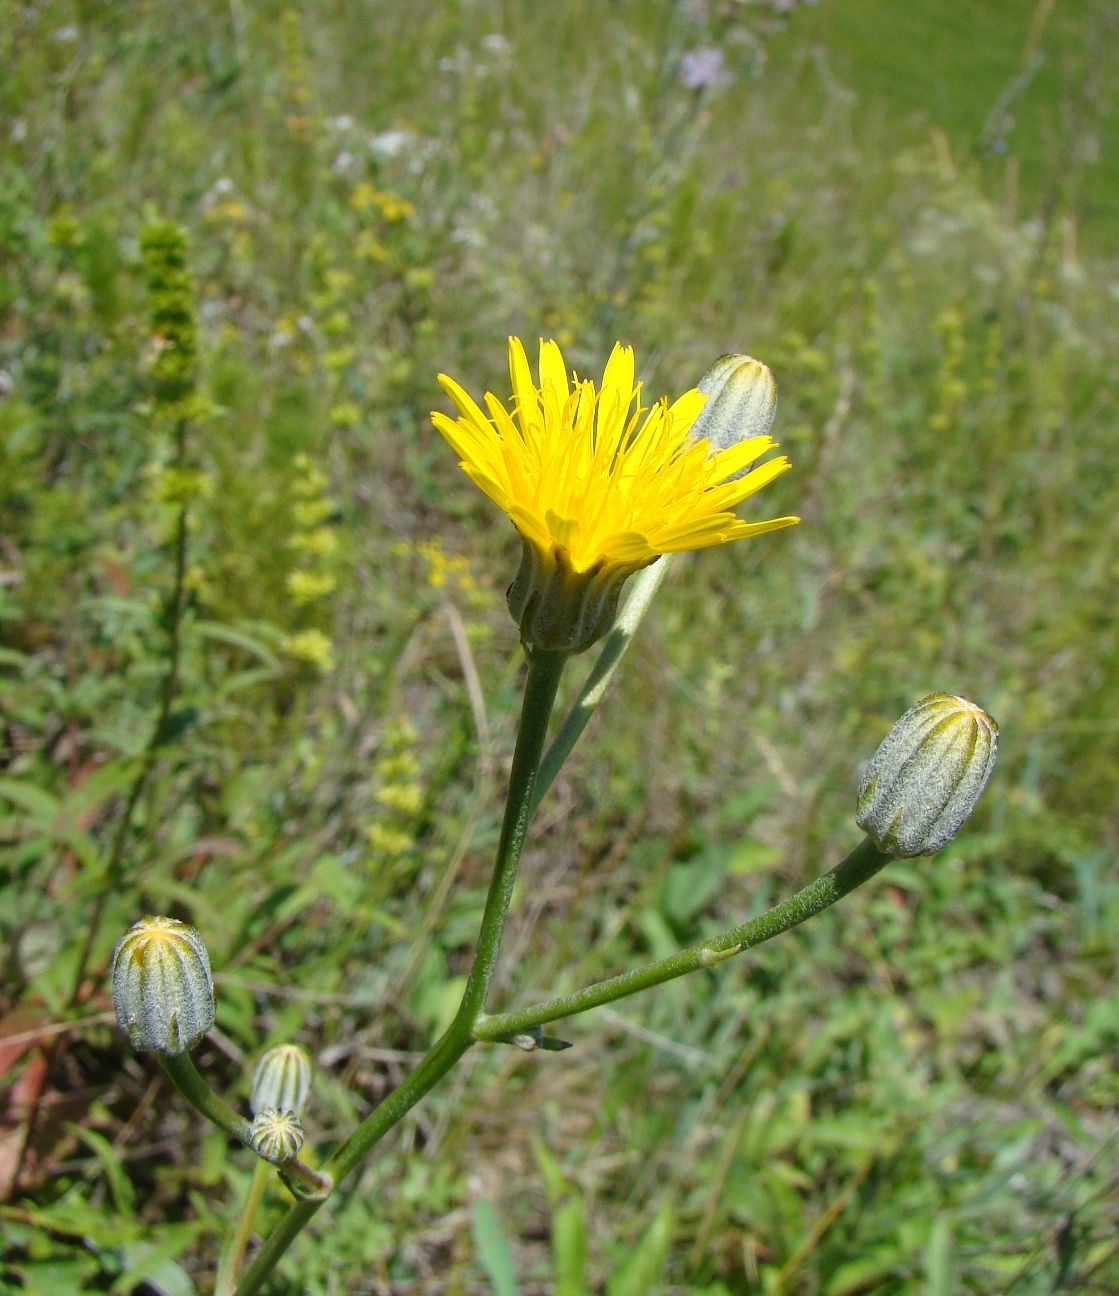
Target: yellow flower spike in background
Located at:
point(599, 486)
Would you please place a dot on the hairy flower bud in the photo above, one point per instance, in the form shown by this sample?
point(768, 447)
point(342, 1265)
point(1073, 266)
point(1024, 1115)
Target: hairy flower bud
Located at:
point(741, 402)
point(162, 988)
point(925, 778)
point(282, 1080)
point(276, 1135)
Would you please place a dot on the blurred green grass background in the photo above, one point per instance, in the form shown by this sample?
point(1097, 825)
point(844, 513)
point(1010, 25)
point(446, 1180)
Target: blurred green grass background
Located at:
point(915, 1093)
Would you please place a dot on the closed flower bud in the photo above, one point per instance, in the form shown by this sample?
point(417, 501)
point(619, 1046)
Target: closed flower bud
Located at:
point(925, 778)
point(282, 1080)
point(162, 989)
point(741, 402)
point(276, 1135)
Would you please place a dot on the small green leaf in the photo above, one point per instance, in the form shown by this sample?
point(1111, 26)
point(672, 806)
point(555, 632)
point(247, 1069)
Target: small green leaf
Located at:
point(940, 1259)
point(493, 1250)
point(642, 1269)
point(569, 1247)
point(120, 1186)
point(41, 806)
point(155, 1265)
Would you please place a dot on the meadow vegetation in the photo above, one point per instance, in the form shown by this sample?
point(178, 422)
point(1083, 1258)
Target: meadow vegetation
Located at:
point(256, 669)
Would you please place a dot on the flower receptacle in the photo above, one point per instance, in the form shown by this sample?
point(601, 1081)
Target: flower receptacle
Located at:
point(559, 609)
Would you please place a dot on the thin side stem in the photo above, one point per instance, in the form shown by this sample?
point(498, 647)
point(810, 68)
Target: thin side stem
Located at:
point(614, 648)
point(544, 673)
point(184, 1076)
point(862, 863)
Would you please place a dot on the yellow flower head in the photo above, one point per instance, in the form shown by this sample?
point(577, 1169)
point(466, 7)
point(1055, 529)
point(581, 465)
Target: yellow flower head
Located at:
point(597, 484)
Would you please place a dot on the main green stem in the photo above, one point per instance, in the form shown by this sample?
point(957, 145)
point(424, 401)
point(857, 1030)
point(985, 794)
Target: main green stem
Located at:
point(544, 671)
point(471, 1023)
point(862, 863)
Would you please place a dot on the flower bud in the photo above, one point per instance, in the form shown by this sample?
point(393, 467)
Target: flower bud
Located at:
point(162, 989)
point(741, 402)
point(282, 1080)
point(276, 1135)
point(925, 778)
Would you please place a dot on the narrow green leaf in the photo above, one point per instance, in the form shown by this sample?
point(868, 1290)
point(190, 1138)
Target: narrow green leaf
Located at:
point(237, 639)
point(642, 1268)
point(569, 1247)
point(940, 1259)
point(493, 1250)
point(555, 1184)
point(120, 1186)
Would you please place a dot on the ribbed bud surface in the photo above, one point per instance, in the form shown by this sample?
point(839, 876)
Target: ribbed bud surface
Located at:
point(276, 1135)
point(282, 1080)
point(162, 989)
point(559, 609)
point(741, 402)
point(925, 778)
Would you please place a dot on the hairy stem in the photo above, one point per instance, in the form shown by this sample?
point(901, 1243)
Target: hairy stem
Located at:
point(862, 863)
point(544, 673)
point(183, 1074)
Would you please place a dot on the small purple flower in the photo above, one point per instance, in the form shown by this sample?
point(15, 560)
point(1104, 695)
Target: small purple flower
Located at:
point(701, 67)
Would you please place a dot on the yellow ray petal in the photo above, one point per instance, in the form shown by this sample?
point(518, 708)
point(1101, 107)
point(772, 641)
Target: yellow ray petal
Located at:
point(685, 409)
point(524, 393)
point(553, 372)
point(618, 375)
point(591, 474)
point(463, 401)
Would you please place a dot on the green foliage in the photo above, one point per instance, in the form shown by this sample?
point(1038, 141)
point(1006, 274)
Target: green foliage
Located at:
point(493, 1250)
point(914, 1093)
point(171, 297)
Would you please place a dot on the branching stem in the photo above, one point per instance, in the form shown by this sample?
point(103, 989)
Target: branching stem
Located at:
point(184, 1076)
point(862, 863)
point(544, 673)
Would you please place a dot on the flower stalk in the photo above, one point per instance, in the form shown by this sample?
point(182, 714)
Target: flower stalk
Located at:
point(183, 1074)
point(544, 672)
point(860, 865)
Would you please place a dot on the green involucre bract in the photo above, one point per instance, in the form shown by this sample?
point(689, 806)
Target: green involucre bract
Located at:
point(925, 778)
